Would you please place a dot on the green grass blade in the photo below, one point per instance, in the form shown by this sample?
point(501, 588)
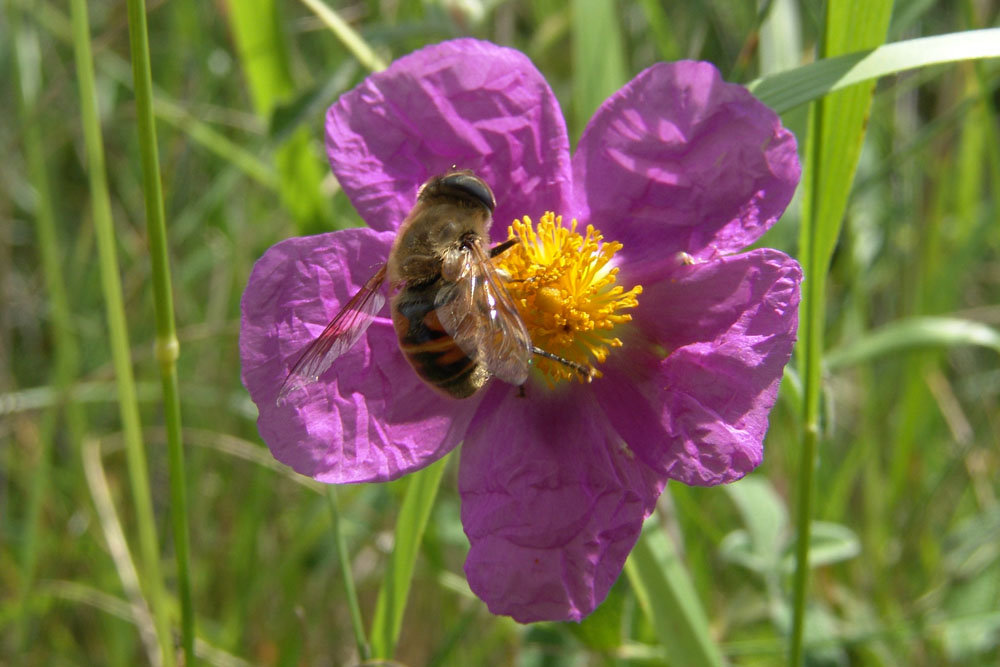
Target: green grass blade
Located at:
point(668, 598)
point(912, 333)
point(111, 289)
point(263, 51)
point(837, 129)
point(421, 491)
point(781, 37)
point(598, 58)
point(351, 40)
point(793, 88)
point(841, 123)
point(167, 346)
point(661, 30)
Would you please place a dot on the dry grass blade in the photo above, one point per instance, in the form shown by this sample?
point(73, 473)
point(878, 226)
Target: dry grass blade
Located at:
point(118, 547)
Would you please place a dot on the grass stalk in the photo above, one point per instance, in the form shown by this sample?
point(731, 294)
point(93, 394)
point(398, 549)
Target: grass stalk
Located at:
point(167, 346)
point(117, 330)
point(811, 326)
point(837, 125)
point(357, 623)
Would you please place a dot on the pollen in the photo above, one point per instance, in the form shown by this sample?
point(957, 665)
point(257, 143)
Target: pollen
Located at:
point(565, 287)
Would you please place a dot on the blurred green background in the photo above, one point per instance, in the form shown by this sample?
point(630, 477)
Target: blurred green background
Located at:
point(906, 556)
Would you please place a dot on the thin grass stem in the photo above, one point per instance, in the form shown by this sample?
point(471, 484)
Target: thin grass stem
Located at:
point(810, 328)
point(343, 557)
point(167, 346)
point(117, 330)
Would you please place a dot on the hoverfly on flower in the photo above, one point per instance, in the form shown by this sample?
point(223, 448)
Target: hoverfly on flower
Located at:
point(456, 322)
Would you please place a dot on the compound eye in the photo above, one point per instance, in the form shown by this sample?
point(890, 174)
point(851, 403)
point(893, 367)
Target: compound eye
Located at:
point(472, 186)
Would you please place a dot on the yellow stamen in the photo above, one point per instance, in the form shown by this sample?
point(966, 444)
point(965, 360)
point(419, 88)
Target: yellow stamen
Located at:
point(564, 287)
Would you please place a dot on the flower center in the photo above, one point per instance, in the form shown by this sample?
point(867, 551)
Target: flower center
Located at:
point(564, 287)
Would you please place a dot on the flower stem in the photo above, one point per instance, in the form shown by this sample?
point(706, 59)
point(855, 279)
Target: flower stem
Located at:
point(345, 570)
point(167, 346)
point(117, 331)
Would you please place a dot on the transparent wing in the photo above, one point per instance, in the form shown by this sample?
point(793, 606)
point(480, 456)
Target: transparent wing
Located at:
point(340, 335)
point(478, 312)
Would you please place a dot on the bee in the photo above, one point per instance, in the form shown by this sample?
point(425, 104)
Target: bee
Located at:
point(456, 322)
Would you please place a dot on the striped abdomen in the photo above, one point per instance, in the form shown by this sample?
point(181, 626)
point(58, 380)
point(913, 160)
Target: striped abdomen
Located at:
point(428, 347)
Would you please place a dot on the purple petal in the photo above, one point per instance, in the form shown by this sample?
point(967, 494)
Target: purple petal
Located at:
point(369, 417)
point(679, 160)
point(463, 103)
point(700, 414)
point(551, 503)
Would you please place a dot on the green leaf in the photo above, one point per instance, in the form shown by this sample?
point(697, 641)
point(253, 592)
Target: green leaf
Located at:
point(763, 512)
point(793, 88)
point(913, 333)
point(829, 543)
point(973, 546)
point(759, 547)
point(668, 598)
point(602, 630)
point(971, 624)
point(967, 637)
point(413, 516)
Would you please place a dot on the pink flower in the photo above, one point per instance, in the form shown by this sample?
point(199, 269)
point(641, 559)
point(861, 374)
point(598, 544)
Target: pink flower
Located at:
point(680, 168)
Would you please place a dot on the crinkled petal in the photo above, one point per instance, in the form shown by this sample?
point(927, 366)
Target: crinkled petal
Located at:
point(678, 160)
point(552, 503)
point(463, 103)
point(699, 415)
point(369, 417)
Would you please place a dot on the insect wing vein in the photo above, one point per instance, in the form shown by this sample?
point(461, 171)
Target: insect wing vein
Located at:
point(340, 335)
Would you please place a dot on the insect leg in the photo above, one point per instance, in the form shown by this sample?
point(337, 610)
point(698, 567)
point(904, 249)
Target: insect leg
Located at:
point(586, 373)
point(502, 247)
